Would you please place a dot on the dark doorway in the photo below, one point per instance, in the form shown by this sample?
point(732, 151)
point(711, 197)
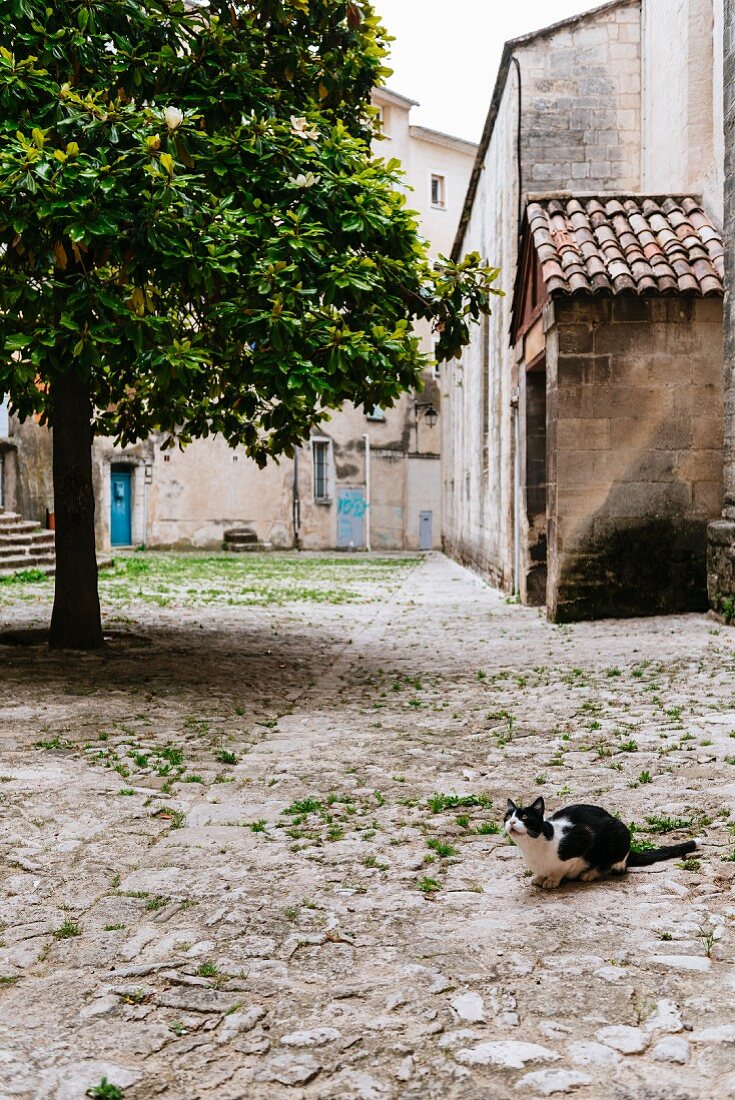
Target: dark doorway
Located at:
point(535, 557)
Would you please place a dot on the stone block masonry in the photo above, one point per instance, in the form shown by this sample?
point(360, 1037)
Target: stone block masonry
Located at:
point(635, 457)
point(581, 93)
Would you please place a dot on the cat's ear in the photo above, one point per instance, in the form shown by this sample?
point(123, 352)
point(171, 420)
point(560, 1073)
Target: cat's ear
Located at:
point(537, 806)
point(511, 806)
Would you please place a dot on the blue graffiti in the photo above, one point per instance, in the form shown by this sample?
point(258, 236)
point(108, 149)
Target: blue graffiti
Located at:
point(352, 504)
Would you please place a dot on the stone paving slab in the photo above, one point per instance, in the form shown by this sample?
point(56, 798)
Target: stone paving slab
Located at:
point(253, 852)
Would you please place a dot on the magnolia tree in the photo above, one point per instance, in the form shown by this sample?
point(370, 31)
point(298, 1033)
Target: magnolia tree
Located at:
point(196, 239)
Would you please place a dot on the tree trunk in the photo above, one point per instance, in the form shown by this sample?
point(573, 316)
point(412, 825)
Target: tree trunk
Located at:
point(75, 622)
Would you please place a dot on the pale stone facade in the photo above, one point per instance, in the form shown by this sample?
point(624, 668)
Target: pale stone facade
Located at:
point(625, 98)
point(192, 498)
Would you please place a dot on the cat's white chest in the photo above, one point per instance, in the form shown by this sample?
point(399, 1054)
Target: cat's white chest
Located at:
point(542, 855)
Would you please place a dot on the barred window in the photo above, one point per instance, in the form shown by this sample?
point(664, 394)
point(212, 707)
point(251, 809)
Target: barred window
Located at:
point(321, 461)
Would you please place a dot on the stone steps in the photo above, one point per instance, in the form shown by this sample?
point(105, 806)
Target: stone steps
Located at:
point(244, 540)
point(32, 539)
point(25, 545)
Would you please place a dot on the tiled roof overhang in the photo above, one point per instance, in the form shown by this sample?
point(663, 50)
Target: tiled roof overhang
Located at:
point(590, 244)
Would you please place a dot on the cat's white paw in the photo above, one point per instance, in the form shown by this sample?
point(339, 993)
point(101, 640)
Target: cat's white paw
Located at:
point(590, 876)
point(545, 883)
point(538, 880)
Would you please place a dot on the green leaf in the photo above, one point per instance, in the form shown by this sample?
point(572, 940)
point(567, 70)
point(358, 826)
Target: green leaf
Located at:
point(17, 341)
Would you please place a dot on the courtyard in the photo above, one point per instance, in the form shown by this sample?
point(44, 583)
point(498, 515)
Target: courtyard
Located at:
point(254, 848)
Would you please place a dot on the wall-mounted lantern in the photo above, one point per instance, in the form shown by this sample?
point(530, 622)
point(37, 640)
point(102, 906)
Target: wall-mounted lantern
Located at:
point(430, 414)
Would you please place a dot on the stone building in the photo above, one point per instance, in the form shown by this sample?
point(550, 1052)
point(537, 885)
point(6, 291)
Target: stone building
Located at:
point(192, 498)
point(582, 430)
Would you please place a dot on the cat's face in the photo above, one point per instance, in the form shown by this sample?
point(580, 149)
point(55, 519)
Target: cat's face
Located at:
point(528, 821)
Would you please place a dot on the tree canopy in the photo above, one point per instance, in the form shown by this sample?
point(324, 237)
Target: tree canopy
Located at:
point(191, 219)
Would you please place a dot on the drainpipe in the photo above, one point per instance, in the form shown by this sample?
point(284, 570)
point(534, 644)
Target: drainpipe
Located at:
point(514, 403)
point(366, 437)
point(147, 481)
point(145, 510)
point(296, 502)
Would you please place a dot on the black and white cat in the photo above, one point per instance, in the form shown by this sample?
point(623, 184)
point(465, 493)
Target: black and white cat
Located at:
point(580, 842)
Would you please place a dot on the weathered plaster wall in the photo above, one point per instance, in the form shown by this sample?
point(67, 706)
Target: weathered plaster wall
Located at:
point(634, 394)
point(682, 100)
point(476, 389)
point(29, 472)
point(188, 499)
point(580, 131)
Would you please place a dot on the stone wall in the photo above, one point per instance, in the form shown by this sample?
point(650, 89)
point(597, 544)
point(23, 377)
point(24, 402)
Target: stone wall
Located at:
point(29, 471)
point(580, 131)
point(634, 391)
point(582, 104)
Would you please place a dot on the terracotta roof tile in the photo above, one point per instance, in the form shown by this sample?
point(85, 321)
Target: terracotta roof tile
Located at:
point(608, 246)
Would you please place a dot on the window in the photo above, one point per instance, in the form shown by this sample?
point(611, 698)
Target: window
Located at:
point(321, 455)
point(376, 413)
point(438, 191)
point(436, 365)
point(380, 122)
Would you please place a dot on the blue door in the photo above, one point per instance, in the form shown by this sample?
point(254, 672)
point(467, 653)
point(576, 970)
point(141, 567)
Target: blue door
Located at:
point(425, 539)
point(351, 510)
point(121, 533)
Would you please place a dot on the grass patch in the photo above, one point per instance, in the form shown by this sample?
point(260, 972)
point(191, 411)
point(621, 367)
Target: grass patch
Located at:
point(304, 806)
point(168, 579)
point(441, 847)
point(157, 902)
point(226, 757)
point(68, 929)
point(428, 885)
point(437, 803)
point(207, 970)
point(176, 817)
point(26, 576)
point(667, 824)
point(53, 743)
point(105, 1091)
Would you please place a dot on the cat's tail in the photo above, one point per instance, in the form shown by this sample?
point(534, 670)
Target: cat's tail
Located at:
point(655, 855)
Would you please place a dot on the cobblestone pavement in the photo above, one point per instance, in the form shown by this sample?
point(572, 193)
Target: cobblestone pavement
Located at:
point(251, 852)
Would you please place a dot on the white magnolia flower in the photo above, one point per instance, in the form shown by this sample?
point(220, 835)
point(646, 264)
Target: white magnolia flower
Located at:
point(300, 128)
point(173, 117)
point(304, 179)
